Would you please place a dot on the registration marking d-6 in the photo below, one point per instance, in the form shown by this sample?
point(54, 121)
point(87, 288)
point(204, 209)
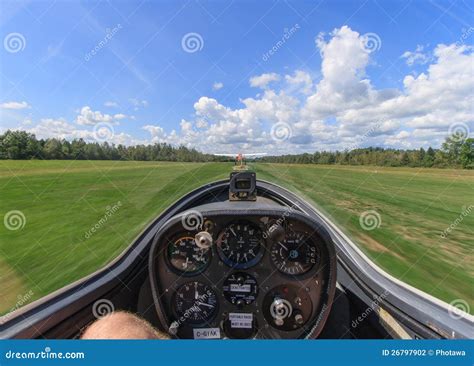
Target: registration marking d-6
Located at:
point(207, 333)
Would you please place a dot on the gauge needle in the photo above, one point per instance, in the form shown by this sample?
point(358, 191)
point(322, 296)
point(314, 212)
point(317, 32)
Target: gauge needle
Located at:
point(203, 303)
point(281, 244)
point(233, 232)
point(196, 294)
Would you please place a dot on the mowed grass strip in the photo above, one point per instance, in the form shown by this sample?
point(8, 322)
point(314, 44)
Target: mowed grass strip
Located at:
point(62, 200)
point(415, 207)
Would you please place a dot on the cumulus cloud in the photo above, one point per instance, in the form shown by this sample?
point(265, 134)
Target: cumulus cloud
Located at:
point(157, 132)
point(62, 129)
point(343, 108)
point(262, 81)
point(89, 117)
point(15, 105)
point(300, 81)
point(339, 109)
point(217, 86)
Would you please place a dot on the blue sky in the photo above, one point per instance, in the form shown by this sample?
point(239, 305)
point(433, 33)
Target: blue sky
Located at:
point(143, 85)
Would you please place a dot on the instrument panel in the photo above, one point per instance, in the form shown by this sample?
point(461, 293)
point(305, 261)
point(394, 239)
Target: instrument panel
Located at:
point(262, 275)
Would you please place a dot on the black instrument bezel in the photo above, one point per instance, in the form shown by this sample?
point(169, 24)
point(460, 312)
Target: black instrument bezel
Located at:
point(170, 241)
point(229, 262)
point(306, 274)
point(204, 322)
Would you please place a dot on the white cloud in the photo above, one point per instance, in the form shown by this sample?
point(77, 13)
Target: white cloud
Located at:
point(58, 128)
point(217, 86)
point(300, 81)
point(263, 80)
point(340, 108)
point(89, 117)
point(344, 107)
point(156, 132)
point(15, 105)
point(111, 104)
point(119, 116)
point(61, 129)
point(416, 57)
point(344, 84)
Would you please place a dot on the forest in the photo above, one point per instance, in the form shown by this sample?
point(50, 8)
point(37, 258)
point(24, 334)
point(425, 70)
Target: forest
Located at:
point(455, 152)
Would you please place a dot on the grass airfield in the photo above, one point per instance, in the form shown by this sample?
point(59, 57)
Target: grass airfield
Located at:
point(62, 200)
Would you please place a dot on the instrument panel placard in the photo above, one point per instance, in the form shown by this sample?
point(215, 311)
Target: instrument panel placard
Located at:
point(241, 320)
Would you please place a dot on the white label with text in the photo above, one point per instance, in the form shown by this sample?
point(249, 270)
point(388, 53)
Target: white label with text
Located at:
point(207, 333)
point(239, 288)
point(241, 320)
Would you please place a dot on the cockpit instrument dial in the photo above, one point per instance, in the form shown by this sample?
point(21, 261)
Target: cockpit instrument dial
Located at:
point(195, 303)
point(186, 257)
point(240, 289)
point(240, 245)
point(296, 254)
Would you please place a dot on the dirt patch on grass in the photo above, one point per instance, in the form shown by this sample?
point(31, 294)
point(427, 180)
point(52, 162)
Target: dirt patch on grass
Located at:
point(351, 205)
point(12, 288)
point(375, 246)
point(432, 240)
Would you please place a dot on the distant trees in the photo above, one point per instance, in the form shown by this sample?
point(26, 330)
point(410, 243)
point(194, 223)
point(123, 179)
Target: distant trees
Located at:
point(454, 152)
point(23, 145)
point(467, 154)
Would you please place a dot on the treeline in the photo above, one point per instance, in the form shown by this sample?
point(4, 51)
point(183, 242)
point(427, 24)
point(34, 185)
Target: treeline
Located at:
point(454, 153)
point(23, 145)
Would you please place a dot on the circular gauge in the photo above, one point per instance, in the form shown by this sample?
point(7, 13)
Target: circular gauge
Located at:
point(240, 245)
point(287, 307)
point(185, 256)
point(240, 289)
point(296, 254)
point(195, 303)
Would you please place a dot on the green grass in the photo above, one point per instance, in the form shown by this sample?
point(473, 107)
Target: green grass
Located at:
point(62, 200)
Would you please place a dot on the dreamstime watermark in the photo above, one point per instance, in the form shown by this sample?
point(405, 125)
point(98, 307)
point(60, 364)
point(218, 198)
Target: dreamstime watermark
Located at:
point(46, 354)
point(109, 211)
point(201, 299)
point(465, 212)
point(281, 131)
point(192, 220)
point(109, 34)
point(281, 309)
point(373, 305)
point(360, 139)
point(279, 222)
point(14, 42)
point(102, 308)
point(466, 33)
point(103, 131)
point(287, 34)
point(14, 220)
point(370, 220)
point(459, 131)
point(21, 300)
point(458, 308)
point(192, 42)
point(371, 42)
